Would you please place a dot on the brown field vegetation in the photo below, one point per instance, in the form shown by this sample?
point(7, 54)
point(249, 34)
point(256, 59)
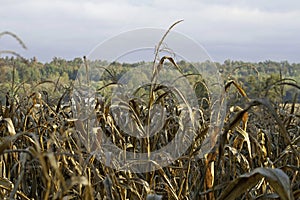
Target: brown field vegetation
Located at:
point(256, 156)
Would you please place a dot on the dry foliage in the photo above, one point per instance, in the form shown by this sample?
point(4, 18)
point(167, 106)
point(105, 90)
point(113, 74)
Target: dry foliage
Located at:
point(256, 155)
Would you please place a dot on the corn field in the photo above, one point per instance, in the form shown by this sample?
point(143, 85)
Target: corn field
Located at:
point(256, 154)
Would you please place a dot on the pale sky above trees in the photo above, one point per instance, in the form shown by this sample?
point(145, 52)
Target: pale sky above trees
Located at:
point(255, 30)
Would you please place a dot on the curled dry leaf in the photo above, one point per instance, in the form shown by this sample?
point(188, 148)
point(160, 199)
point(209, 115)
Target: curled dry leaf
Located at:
point(278, 180)
point(10, 126)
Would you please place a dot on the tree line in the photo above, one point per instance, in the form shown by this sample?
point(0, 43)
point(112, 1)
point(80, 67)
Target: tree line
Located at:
point(257, 78)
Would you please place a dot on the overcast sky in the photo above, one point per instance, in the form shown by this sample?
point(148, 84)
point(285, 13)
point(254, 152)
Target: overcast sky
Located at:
point(255, 30)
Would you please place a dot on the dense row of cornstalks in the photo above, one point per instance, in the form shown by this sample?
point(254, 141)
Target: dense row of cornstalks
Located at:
point(42, 154)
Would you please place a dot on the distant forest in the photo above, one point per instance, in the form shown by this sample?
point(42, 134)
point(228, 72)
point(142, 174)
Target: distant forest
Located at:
point(256, 78)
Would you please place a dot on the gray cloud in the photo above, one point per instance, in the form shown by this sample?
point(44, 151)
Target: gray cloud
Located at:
point(245, 30)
